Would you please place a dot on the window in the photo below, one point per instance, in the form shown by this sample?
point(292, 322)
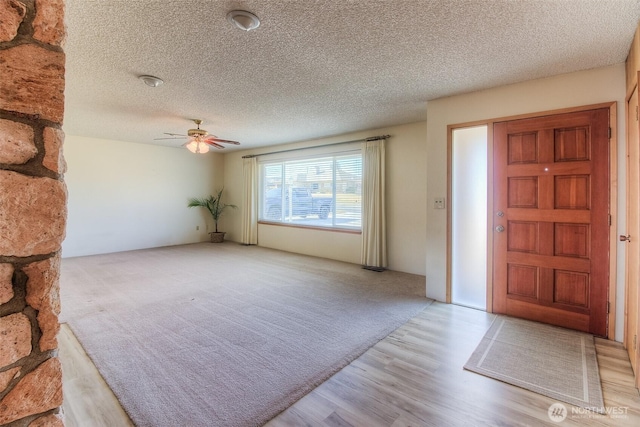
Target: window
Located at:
point(322, 191)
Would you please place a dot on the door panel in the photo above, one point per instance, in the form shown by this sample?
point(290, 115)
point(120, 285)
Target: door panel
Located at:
point(633, 230)
point(551, 206)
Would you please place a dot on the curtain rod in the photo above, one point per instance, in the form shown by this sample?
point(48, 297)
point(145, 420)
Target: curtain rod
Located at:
point(371, 138)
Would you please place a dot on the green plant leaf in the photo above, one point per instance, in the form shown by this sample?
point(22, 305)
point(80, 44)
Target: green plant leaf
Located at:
point(213, 204)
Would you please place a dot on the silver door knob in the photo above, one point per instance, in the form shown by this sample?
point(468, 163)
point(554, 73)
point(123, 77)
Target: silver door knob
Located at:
point(499, 229)
point(626, 238)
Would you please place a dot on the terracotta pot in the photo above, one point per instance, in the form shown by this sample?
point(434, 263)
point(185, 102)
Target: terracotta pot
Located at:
point(217, 237)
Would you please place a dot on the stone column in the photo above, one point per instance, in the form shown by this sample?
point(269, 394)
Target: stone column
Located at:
point(33, 210)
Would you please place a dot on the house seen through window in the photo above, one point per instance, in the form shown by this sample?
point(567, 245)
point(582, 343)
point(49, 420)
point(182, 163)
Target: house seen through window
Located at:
point(316, 192)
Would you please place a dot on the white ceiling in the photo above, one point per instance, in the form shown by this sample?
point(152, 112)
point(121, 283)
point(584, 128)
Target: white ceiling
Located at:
point(315, 68)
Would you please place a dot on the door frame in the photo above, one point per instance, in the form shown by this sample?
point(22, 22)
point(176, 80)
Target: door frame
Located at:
point(613, 199)
point(627, 301)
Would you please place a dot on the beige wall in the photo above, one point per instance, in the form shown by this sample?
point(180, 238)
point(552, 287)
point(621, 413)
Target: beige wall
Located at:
point(125, 196)
point(567, 90)
point(406, 204)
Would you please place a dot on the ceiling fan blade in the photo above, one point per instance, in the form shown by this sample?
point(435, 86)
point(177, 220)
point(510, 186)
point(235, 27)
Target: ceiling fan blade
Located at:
point(174, 134)
point(224, 141)
point(213, 144)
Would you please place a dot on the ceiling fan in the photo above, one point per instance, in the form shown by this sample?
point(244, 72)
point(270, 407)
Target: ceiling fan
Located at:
point(199, 139)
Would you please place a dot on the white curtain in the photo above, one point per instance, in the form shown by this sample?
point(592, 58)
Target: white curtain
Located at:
point(374, 229)
point(250, 201)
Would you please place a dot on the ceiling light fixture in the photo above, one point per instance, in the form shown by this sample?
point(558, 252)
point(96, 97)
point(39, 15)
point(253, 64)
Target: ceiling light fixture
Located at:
point(151, 81)
point(197, 146)
point(243, 20)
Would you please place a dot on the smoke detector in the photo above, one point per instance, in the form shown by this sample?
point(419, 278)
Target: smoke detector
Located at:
point(151, 81)
point(243, 20)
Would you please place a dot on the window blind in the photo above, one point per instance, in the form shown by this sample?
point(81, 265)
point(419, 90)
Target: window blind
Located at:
point(323, 191)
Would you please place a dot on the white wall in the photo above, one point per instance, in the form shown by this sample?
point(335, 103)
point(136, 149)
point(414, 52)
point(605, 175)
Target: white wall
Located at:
point(406, 204)
point(125, 196)
point(567, 90)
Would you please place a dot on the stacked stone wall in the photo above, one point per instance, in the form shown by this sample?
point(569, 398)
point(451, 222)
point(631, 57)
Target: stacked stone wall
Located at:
point(33, 200)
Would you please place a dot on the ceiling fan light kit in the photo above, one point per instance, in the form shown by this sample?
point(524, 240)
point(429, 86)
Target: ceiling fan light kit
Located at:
point(200, 141)
point(197, 147)
point(243, 20)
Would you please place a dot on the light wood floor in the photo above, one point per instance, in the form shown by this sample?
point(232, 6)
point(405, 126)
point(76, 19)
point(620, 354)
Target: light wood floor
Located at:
point(414, 377)
point(88, 400)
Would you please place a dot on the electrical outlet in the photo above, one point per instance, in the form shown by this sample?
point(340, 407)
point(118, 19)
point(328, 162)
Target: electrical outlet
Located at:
point(438, 203)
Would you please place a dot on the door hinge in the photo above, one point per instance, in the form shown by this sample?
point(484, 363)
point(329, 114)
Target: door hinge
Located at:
point(608, 307)
point(609, 219)
point(635, 341)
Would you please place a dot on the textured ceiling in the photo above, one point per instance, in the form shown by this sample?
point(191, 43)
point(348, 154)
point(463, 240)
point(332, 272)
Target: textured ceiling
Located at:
point(315, 68)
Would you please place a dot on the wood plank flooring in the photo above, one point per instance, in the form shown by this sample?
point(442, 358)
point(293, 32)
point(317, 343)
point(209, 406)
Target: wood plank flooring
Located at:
point(414, 377)
point(88, 400)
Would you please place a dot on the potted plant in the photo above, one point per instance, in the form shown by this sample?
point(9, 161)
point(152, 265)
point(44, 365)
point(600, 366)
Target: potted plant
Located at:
point(215, 206)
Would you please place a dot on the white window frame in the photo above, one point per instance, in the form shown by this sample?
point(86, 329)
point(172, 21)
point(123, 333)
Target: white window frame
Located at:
point(314, 220)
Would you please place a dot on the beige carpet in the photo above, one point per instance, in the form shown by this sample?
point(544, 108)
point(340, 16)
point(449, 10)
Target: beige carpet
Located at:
point(555, 362)
point(223, 334)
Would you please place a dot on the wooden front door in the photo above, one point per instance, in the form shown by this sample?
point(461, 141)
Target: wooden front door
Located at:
point(551, 219)
point(632, 279)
